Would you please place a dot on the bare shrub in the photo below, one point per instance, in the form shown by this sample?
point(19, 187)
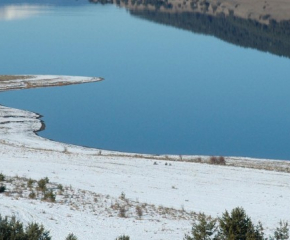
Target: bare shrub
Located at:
point(32, 195)
point(7, 194)
point(221, 160)
point(122, 212)
point(139, 211)
point(42, 184)
point(49, 196)
point(217, 160)
point(213, 160)
point(30, 183)
point(122, 196)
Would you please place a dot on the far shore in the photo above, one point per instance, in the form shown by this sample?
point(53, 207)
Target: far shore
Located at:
point(260, 10)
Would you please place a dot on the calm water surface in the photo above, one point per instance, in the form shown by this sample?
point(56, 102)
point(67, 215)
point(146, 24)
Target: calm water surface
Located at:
point(166, 90)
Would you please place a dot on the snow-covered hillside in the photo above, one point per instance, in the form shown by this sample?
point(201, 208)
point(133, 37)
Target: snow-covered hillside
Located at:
point(98, 182)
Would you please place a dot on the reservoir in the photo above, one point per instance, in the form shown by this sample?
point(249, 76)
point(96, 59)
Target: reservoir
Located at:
point(175, 82)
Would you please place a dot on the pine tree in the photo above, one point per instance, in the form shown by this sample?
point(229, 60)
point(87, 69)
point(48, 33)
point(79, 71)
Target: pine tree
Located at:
point(71, 236)
point(282, 232)
point(238, 226)
point(202, 229)
point(36, 232)
point(10, 229)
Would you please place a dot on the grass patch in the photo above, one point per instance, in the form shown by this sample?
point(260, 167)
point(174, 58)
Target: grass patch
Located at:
point(13, 77)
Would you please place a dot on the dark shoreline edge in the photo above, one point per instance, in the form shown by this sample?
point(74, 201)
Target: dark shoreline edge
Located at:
point(239, 162)
point(244, 162)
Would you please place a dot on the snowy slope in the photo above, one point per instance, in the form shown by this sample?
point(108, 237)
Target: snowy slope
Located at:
point(181, 185)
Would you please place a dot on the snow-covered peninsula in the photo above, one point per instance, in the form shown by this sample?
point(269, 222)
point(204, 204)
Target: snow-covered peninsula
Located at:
point(98, 184)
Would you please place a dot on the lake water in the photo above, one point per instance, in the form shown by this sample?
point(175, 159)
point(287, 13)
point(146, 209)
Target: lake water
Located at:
point(166, 90)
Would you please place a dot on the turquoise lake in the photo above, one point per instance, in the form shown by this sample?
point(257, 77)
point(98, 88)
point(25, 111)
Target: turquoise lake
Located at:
point(167, 89)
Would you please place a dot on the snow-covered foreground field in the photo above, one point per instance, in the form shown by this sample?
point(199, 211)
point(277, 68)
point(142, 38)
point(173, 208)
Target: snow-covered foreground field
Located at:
point(170, 190)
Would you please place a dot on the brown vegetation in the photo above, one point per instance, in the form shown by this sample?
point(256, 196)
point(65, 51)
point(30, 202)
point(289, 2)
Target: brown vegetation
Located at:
point(13, 77)
point(217, 160)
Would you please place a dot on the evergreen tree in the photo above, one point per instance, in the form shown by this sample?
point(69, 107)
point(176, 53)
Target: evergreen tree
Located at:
point(71, 237)
point(238, 226)
point(282, 232)
point(202, 229)
point(10, 229)
point(36, 232)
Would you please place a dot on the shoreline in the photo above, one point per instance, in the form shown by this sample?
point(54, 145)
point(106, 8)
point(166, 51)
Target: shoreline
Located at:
point(37, 81)
point(96, 180)
point(41, 81)
point(261, 11)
